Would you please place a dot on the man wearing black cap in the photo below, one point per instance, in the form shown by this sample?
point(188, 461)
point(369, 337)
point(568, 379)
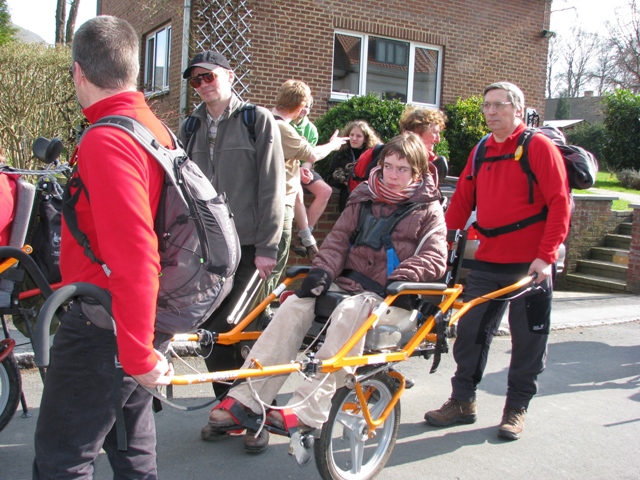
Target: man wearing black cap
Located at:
point(246, 162)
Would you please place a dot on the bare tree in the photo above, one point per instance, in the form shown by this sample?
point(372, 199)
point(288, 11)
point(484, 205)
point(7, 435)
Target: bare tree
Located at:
point(575, 55)
point(603, 69)
point(71, 22)
point(65, 28)
point(61, 18)
point(552, 61)
point(625, 43)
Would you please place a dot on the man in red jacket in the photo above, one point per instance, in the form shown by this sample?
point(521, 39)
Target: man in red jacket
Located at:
point(77, 415)
point(499, 188)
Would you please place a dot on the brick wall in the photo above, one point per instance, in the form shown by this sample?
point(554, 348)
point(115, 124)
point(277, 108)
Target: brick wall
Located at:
point(147, 16)
point(633, 274)
point(590, 222)
point(483, 41)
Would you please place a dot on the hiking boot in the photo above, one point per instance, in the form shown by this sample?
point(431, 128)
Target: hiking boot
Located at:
point(312, 251)
point(211, 434)
point(300, 250)
point(512, 422)
point(253, 444)
point(453, 411)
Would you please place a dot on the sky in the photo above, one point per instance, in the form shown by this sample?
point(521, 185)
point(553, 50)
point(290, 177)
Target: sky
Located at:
point(39, 15)
point(591, 15)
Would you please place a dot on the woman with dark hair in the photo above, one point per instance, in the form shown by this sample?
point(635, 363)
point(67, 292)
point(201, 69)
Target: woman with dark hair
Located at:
point(361, 138)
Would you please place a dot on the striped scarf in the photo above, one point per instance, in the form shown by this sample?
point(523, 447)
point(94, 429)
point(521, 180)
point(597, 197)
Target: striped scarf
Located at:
point(382, 194)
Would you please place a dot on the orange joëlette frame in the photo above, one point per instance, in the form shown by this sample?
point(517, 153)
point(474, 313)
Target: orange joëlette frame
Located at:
point(340, 360)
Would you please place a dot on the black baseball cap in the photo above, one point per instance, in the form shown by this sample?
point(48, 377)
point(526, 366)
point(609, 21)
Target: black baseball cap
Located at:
point(209, 60)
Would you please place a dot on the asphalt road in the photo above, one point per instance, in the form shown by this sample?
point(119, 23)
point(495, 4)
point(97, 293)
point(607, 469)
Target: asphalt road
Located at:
point(583, 424)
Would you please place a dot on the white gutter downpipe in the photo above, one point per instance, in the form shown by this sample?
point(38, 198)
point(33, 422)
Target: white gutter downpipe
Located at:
point(186, 27)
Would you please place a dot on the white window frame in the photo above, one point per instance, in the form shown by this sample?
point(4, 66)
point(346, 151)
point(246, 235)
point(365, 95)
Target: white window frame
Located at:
point(150, 73)
point(364, 42)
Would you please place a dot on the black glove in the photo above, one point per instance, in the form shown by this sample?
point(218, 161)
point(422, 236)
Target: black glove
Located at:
point(314, 284)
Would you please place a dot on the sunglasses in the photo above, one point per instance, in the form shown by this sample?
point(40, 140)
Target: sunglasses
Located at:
point(197, 80)
point(71, 71)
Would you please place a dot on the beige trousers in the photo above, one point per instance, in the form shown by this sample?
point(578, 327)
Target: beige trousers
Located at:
point(281, 341)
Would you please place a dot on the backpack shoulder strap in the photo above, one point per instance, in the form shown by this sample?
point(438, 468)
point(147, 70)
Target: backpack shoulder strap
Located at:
point(478, 155)
point(146, 139)
point(191, 126)
point(521, 155)
point(249, 119)
point(142, 135)
point(365, 211)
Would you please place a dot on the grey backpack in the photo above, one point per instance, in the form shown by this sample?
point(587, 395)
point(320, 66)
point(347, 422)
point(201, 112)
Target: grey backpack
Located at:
point(198, 243)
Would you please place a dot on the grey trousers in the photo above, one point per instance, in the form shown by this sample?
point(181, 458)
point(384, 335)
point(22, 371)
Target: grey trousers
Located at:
point(529, 322)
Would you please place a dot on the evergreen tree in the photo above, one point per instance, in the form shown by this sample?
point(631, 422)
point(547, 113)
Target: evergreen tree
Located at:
point(563, 109)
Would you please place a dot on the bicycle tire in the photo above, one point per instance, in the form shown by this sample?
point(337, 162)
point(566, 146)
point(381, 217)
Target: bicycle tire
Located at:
point(344, 451)
point(10, 388)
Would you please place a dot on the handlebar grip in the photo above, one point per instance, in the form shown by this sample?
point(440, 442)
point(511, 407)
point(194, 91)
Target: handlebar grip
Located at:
point(48, 310)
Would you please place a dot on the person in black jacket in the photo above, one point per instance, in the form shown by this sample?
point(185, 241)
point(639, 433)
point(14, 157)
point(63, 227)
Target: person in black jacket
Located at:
point(361, 137)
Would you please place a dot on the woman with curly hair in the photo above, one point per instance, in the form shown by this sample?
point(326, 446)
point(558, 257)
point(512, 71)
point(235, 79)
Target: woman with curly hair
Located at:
point(361, 138)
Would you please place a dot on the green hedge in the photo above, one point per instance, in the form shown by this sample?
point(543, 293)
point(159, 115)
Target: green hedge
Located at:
point(465, 128)
point(622, 124)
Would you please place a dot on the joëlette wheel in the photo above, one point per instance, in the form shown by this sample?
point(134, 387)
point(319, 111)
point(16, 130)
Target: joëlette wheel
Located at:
point(344, 450)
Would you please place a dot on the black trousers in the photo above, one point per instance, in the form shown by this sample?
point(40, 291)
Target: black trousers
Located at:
point(529, 322)
point(228, 357)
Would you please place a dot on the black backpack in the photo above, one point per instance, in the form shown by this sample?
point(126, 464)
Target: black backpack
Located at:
point(581, 167)
point(198, 244)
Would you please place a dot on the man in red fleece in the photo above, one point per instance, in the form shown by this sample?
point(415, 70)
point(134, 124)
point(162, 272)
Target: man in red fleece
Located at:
point(499, 188)
point(77, 414)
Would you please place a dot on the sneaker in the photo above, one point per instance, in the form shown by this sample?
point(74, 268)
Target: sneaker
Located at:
point(453, 411)
point(512, 422)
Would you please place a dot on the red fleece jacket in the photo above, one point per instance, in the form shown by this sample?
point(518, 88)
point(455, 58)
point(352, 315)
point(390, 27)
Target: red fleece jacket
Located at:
point(124, 184)
point(501, 192)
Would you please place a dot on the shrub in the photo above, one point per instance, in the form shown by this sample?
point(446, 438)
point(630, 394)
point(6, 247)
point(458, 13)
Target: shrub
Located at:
point(38, 99)
point(590, 137)
point(629, 178)
point(465, 128)
point(382, 115)
point(622, 123)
